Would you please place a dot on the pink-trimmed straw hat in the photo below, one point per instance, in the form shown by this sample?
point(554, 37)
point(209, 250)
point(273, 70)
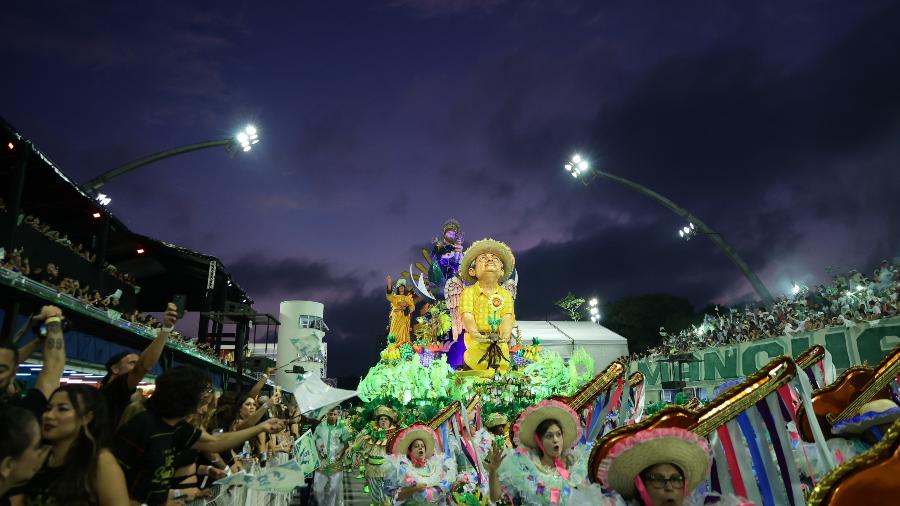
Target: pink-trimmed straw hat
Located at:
point(630, 456)
point(526, 424)
point(416, 431)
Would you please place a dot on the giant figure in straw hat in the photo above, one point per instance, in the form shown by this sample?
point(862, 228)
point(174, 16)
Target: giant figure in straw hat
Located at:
point(486, 307)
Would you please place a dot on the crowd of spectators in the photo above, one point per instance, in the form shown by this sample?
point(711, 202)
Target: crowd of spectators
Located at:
point(51, 276)
point(77, 444)
point(851, 299)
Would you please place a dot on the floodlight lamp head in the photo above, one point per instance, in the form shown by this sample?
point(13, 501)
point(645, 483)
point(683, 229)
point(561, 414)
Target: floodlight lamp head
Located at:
point(576, 158)
point(594, 302)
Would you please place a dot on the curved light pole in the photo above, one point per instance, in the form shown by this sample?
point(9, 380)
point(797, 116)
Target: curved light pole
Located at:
point(581, 170)
point(243, 141)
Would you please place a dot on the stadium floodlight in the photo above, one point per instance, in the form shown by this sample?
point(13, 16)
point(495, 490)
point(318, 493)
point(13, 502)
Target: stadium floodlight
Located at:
point(582, 170)
point(247, 137)
point(241, 141)
point(103, 199)
point(795, 289)
point(593, 302)
point(578, 166)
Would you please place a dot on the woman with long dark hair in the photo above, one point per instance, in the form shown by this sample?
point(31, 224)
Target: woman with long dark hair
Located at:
point(21, 453)
point(80, 469)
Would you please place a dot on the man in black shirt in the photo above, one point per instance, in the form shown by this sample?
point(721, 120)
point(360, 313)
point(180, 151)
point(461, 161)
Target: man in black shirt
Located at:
point(35, 400)
point(125, 370)
point(147, 444)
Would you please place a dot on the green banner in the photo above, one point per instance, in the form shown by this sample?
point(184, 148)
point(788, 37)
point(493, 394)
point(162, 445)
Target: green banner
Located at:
point(863, 343)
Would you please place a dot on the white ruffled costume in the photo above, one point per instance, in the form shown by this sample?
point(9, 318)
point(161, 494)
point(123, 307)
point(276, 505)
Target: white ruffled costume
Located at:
point(438, 474)
point(527, 481)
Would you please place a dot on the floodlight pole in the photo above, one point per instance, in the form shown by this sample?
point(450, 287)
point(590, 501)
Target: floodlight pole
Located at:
point(714, 236)
point(97, 182)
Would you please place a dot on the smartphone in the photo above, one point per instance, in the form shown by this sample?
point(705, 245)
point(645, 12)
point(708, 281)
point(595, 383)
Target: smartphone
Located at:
point(180, 300)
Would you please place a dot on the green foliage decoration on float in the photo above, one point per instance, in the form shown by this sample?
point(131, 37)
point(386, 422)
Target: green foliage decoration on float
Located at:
point(549, 375)
point(581, 370)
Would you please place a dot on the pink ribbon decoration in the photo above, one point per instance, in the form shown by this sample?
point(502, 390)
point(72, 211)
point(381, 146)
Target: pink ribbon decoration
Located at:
point(468, 448)
point(642, 490)
point(416, 461)
point(731, 456)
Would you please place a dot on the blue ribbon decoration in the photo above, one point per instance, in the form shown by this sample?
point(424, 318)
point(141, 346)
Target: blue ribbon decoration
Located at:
point(769, 421)
point(759, 469)
point(446, 439)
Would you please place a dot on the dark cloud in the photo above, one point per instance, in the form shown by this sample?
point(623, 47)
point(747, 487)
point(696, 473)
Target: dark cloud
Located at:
point(260, 275)
point(447, 7)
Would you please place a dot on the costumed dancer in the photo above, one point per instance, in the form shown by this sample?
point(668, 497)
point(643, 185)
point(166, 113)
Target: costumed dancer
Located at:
point(546, 467)
point(494, 431)
point(855, 435)
point(402, 305)
point(416, 474)
point(371, 445)
point(332, 442)
point(486, 307)
point(658, 467)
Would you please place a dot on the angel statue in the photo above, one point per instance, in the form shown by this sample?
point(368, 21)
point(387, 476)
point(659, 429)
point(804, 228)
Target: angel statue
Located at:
point(402, 306)
point(446, 253)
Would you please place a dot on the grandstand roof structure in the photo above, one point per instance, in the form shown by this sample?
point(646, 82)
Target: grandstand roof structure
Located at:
point(161, 270)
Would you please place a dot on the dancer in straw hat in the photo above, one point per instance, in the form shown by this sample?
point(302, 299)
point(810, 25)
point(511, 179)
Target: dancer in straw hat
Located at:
point(417, 474)
point(659, 467)
point(547, 467)
point(371, 445)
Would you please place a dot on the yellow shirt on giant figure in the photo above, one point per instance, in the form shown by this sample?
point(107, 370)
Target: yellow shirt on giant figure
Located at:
point(486, 307)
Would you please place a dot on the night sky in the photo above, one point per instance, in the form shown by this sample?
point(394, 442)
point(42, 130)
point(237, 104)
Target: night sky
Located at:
point(778, 123)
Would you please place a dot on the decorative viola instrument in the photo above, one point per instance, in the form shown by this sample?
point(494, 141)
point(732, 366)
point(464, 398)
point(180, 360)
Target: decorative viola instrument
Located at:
point(724, 408)
point(636, 379)
point(597, 385)
point(809, 357)
point(445, 414)
point(473, 403)
point(870, 477)
point(856, 386)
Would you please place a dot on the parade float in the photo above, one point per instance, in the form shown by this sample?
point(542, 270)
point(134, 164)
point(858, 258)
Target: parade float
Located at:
point(452, 336)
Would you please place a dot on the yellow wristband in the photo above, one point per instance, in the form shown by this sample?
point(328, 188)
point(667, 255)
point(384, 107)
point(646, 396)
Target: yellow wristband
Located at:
point(53, 319)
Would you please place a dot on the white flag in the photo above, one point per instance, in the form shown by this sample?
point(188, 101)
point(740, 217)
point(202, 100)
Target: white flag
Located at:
point(313, 395)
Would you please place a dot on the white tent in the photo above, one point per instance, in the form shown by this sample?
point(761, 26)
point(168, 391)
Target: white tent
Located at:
point(564, 337)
